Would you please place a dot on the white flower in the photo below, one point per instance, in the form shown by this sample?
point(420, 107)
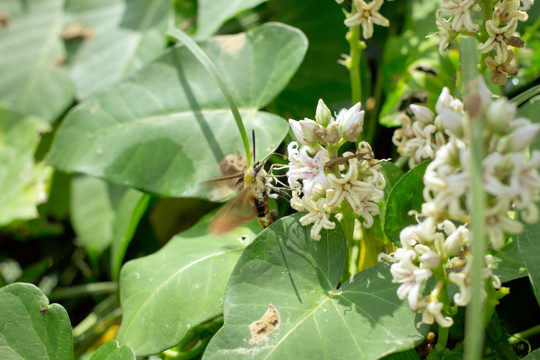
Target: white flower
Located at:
point(461, 10)
point(318, 214)
point(410, 276)
point(350, 122)
point(362, 196)
point(432, 311)
point(367, 14)
point(451, 112)
point(306, 168)
point(446, 32)
point(498, 37)
point(526, 4)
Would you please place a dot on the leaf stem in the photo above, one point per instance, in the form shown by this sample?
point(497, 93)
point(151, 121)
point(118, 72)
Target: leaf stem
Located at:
point(523, 335)
point(84, 290)
point(211, 68)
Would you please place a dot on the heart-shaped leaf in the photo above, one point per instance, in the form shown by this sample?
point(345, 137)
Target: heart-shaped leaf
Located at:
point(23, 182)
point(211, 14)
point(165, 294)
point(34, 79)
point(406, 195)
point(118, 37)
point(529, 247)
point(111, 351)
point(30, 327)
point(166, 129)
point(282, 302)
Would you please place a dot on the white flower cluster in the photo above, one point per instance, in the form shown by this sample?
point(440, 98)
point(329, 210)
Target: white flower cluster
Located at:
point(420, 135)
point(366, 14)
point(511, 181)
point(324, 183)
point(501, 29)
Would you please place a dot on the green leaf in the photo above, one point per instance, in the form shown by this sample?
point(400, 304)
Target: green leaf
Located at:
point(34, 81)
point(391, 175)
point(92, 213)
point(211, 14)
point(125, 36)
point(130, 209)
point(535, 355)
point(286, 274)
point(405, 355)
point(406, 195)
point(166, 128)
point(529, 247)
point(101, 214)
point(111, 351)
point(31, 328)
point(182, 285)
point(24, 183)
point(508, 264)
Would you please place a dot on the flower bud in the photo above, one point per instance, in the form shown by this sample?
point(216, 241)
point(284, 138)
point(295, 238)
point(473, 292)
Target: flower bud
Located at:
point(522, 135)
point(452, 121)
point(430, 259)
point(323, 114)
point(499, 114)
point(454, 242)
point(422, 113)
point(304, 130)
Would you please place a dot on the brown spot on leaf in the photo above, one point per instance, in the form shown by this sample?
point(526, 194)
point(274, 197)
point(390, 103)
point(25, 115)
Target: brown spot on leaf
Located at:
point(260, 329)
point(231, 44)
point(5, 19)
point(77, 31)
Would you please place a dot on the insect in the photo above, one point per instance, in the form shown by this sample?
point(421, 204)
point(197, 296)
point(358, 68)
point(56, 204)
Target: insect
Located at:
point(251, 202)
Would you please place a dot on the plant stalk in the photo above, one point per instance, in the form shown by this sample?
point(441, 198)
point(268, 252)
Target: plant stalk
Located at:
point(179, 35)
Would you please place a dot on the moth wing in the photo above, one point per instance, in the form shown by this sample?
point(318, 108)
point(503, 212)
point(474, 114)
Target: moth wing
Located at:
point(236, 212)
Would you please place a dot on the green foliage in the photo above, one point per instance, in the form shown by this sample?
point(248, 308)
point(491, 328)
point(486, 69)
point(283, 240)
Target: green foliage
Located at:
point(112, 141)
point(164, 294)
point(118, 37)
point(406, 194)
point(171, 120)
point(37, 82)
point(111, 351)
point(24, 181)
point(318, 319)
point(31, 327)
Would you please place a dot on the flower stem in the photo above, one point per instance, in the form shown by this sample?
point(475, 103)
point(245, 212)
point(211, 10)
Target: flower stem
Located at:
point(353, 62)
point(487, 14)
point(179, 35)
point(474, 322)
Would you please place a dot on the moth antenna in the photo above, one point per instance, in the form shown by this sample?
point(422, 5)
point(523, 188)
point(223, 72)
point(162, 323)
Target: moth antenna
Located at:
point(253, 137)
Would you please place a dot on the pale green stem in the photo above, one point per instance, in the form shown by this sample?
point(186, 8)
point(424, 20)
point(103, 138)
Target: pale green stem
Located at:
point(211, 68)
point(474, 322)
point(523, 335)
point(84, 290)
